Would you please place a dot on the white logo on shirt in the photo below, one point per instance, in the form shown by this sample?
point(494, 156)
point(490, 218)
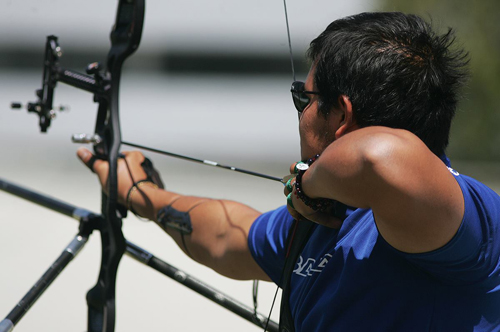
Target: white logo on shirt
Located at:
point(307, 268)
point(453, 171)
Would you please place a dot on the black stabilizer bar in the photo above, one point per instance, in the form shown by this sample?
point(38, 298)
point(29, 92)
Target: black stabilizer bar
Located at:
point(40, 199)
point(199, 287)
point(88, 222)
point(43, 283)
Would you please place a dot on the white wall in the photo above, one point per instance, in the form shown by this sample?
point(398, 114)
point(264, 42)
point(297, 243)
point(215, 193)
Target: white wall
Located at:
point(215, 25)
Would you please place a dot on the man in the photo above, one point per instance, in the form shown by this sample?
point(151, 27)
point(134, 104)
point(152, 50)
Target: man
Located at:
point(416, 246)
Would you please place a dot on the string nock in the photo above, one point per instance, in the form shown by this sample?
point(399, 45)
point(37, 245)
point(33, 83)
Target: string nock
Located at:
point(56, 49)
point(285, 179)
point(86, 139)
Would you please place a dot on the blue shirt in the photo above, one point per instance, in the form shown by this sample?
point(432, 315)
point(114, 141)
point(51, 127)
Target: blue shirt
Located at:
point(351, 279)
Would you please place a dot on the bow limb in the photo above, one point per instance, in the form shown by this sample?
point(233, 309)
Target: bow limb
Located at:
point(125, 39)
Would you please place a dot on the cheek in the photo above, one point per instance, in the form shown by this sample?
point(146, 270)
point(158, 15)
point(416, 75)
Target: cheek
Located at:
point(304, 140)
point(310, 138)
point(316, 133)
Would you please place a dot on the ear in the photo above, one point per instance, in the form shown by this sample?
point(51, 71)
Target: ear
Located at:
point(347, 123)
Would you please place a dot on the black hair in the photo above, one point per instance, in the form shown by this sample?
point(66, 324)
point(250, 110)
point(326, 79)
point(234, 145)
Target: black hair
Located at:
point(395, 71)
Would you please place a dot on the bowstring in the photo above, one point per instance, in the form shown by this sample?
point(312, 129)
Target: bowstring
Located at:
point(256, 283)
point(289, 40)
point(293, 76)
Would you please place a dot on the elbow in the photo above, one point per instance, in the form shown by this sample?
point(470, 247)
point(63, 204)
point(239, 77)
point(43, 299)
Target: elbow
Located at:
point(380, 151)
point(382, 164)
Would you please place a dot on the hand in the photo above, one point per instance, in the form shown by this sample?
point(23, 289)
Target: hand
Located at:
point(299, 211)
point(125, 178)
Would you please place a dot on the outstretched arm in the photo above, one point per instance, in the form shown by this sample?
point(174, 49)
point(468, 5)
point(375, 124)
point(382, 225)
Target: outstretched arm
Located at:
point(220, 227)
point(417, 204)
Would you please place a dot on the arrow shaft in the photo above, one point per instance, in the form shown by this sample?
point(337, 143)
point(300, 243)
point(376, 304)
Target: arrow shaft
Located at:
point(205, 162)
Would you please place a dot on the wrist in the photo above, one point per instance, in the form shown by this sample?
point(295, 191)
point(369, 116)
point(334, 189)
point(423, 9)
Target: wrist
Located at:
point(137, 195)
point(317, 204)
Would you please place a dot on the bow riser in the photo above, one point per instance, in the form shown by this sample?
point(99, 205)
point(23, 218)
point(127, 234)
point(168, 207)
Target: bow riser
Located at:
point(125, 38)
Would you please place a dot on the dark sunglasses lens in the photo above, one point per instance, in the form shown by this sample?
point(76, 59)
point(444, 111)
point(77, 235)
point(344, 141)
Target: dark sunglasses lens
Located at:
point(300, 100)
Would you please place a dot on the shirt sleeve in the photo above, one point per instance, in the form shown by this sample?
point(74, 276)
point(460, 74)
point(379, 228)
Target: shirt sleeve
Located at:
point(267, 241)
point(473, 254)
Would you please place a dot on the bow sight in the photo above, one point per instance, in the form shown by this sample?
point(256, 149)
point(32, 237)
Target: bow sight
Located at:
point(103, 83)
point(125, 38)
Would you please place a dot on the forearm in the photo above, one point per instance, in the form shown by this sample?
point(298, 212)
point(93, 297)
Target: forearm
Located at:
point(219, 230)
point(219, 234)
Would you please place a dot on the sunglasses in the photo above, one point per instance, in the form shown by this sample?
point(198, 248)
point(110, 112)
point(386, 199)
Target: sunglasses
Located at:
point(301, 98)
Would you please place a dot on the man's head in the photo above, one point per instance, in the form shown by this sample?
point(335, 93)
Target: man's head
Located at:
point(395, 71)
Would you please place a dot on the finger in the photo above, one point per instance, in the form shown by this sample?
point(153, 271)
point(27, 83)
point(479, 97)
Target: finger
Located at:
point(289, 186)
point(289, 200)
point(87, 158)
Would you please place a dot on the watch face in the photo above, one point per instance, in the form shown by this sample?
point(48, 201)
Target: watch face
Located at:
point(301, 166)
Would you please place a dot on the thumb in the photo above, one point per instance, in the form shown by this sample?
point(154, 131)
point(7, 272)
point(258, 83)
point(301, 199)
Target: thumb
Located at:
point(87, 158)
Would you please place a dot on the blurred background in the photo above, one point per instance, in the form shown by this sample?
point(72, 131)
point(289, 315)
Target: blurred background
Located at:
point(210, 80)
